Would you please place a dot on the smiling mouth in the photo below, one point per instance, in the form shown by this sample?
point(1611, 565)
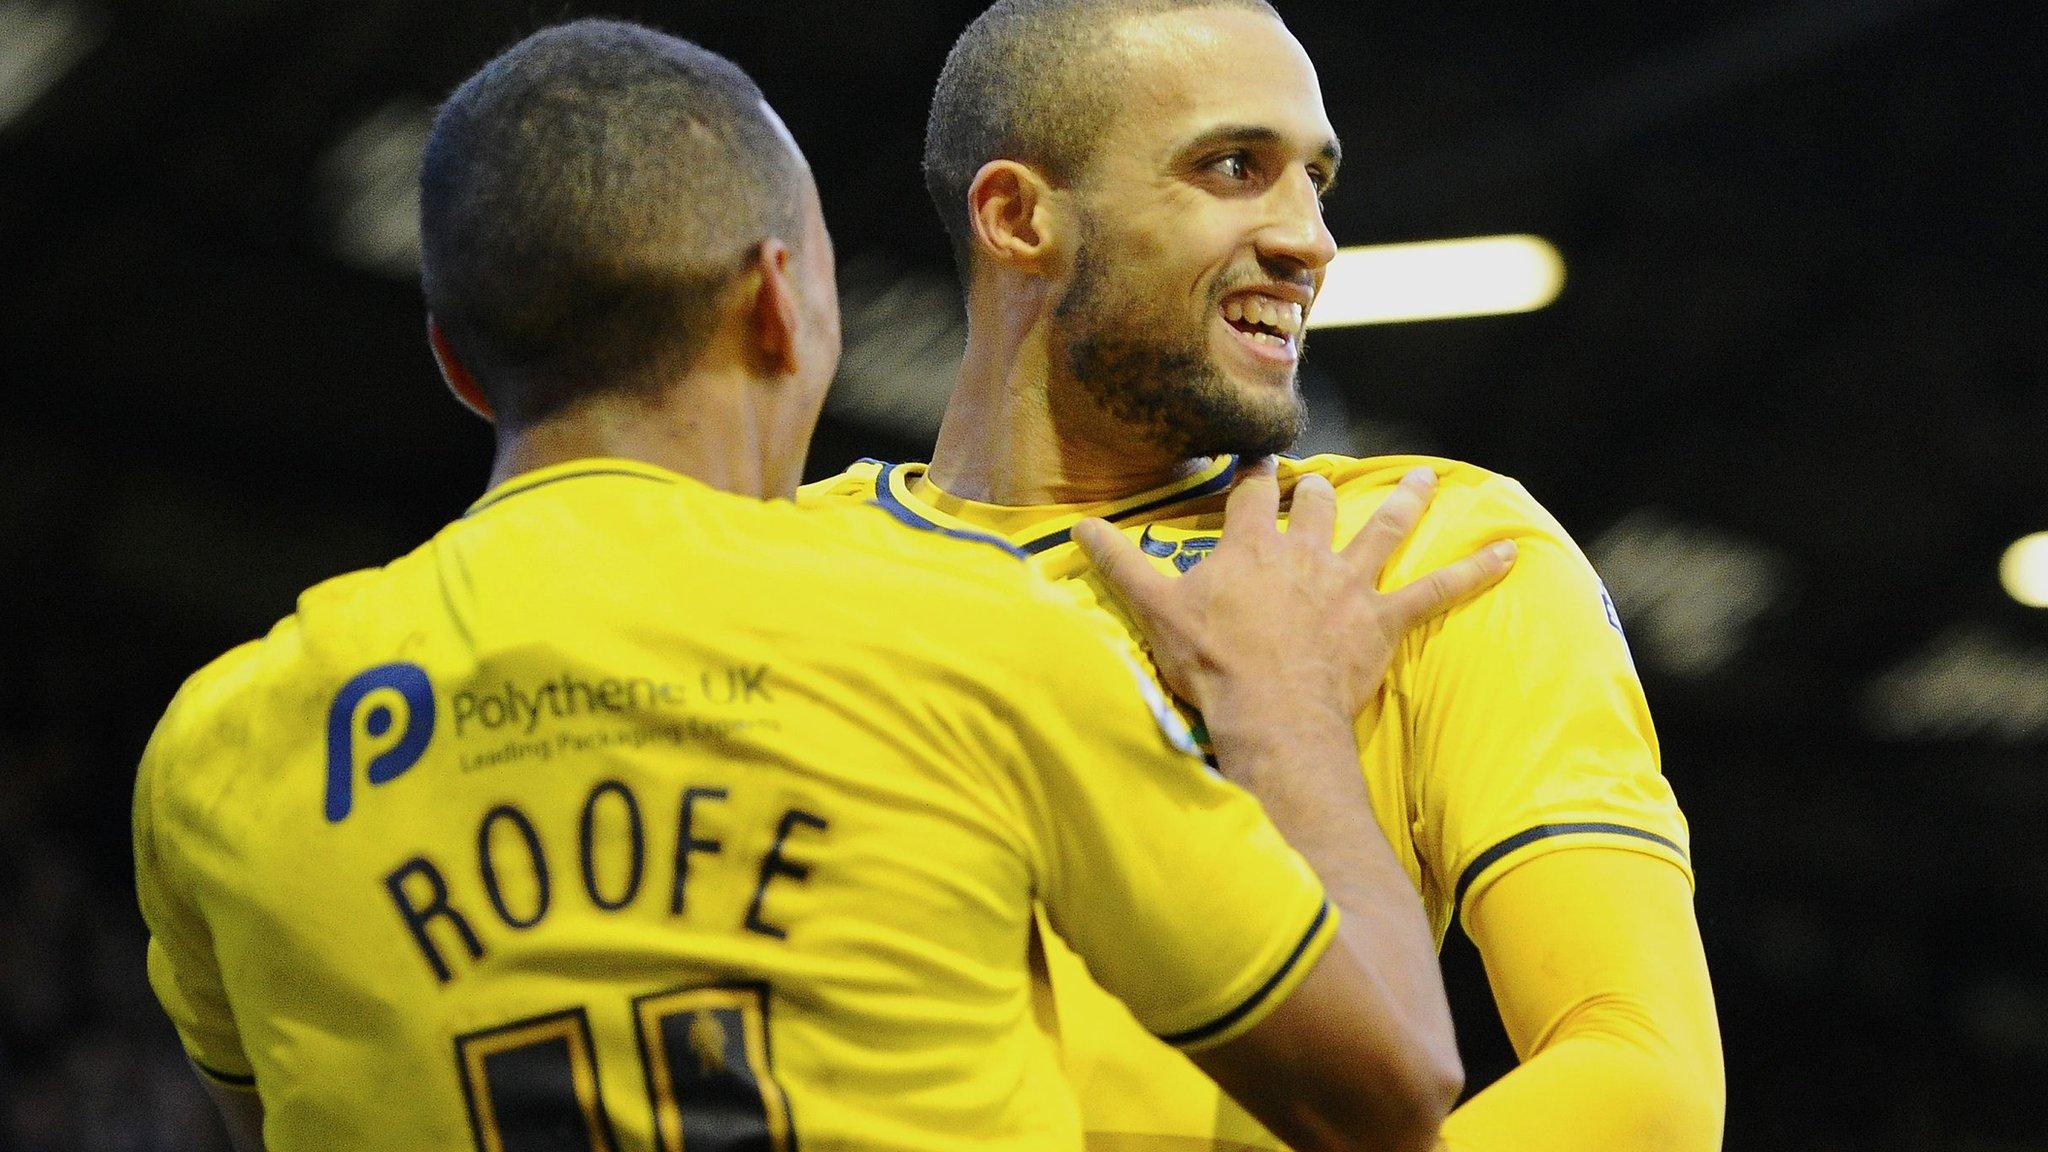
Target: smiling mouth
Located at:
point(1268, 326)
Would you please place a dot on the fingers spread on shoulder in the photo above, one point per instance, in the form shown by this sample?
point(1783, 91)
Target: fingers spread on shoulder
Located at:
point(1312, 517)
point(1449, 586)
point(1392, 523)
point(1253, 510)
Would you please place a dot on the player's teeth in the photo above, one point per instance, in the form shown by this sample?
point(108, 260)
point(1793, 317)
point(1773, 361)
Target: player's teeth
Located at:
point(1284, 315)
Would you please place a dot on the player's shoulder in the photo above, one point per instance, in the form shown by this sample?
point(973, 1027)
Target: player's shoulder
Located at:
point(222, 712)
point(226, 686)
point(210, 725)
point(356, 598)
point(214, 690)
point(1468, 496)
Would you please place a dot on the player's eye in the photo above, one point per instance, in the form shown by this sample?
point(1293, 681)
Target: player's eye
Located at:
point(1233, 166)
point(1323, 179)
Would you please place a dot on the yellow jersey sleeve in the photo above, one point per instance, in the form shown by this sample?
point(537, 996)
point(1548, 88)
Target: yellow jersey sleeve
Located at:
point(1531, 730)
point(183, 968)
point(1596, 962)
point(1170, 883)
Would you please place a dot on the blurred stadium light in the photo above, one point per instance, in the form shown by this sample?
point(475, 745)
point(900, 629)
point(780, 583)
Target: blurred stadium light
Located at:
point(1689, 593)
point(1438, 280)
point(1970, 683)
point(905, 334)
point(40, 41)
point(370, 182)
point(2024, 570)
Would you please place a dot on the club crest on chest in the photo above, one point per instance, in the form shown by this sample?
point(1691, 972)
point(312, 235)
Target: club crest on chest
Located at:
point(1185, 552)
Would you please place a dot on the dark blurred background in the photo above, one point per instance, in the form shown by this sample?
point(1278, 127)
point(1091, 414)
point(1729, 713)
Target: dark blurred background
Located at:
point(1790, 401)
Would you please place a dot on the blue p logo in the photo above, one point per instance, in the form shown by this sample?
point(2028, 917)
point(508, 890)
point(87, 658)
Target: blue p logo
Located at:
point(379, 726)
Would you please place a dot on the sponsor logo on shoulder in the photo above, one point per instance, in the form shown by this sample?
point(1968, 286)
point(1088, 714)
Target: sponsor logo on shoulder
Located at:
point(378, 727)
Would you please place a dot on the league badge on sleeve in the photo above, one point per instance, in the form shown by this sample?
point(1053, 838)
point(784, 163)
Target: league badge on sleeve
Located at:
point(1614, 620)
point(1163, 712)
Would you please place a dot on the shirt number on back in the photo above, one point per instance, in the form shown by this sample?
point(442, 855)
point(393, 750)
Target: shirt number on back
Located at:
point(532, 1085)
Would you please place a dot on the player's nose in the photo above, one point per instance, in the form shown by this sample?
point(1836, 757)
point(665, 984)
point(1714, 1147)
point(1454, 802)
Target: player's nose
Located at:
point(1295, 231)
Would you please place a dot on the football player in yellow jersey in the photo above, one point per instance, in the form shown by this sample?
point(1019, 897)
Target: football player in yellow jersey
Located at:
point(1133, 193)
point(634, 812)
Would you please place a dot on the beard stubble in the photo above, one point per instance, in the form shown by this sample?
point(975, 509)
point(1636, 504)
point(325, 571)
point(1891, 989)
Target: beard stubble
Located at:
point(1153, 371)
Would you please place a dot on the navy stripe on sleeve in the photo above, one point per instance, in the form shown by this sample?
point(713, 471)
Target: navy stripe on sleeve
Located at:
point(1203, 1032)
point(1521, 840)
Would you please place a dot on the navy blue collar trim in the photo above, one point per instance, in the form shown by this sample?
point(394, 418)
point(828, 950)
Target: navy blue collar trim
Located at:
point(885, 496)
point(886, 500)
point(497, 498)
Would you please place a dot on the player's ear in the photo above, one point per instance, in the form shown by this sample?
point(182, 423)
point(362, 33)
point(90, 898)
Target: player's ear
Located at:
point(457, 377)
point(774, 316)
point(1015, 216)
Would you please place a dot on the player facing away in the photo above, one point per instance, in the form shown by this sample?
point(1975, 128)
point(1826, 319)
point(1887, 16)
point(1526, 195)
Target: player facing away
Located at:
point(634, 811)
point(1133, 193)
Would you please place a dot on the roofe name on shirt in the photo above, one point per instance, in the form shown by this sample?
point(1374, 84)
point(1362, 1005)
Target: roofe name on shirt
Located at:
point(599, 855)
point(520, 875)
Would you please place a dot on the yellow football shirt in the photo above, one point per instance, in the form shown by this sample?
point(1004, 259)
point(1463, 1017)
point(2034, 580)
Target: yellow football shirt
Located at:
point(1511, 727)
point(629, 815)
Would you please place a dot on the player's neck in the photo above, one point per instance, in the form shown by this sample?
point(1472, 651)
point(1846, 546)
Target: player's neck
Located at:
point(1007, 439)
point(708, 431)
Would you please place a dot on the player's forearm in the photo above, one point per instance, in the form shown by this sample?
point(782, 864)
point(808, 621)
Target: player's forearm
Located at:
point(1595, 1091)
point(1596, 963)
point(1302, 764)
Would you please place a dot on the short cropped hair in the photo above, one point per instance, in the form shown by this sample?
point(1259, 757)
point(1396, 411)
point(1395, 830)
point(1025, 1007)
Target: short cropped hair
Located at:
point(584, 199)
point(1033, 81)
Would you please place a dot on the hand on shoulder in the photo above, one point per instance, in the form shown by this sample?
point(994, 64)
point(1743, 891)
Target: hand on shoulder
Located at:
point(1280, 625)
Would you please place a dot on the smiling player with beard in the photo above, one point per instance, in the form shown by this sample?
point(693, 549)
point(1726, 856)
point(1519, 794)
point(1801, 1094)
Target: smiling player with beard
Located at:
point(1133, 191)
point(638, 810)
